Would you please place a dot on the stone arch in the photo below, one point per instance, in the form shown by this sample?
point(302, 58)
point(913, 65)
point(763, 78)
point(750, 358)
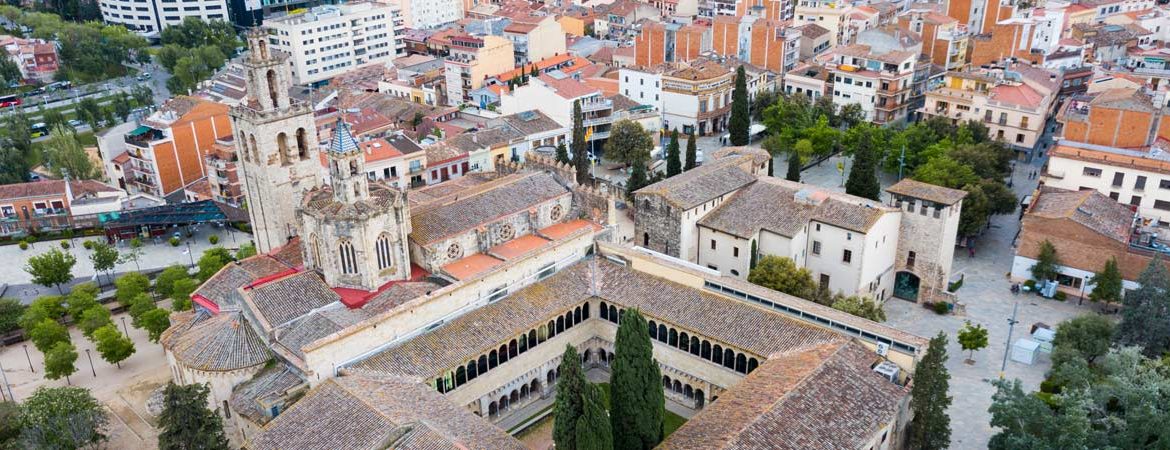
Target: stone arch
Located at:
point(646, 239)
point(653, 330)
point(493, 360)
point(705, 350)
point(662, 334)
point(523, 342)
point(282, 148)
point(273, 87)
point(585, 311)
point(541, 334)
point(684, 340)
point(717, 354)
point(504, 404)
point(608, 357)
point(482, 364)
point(460, 376)
point(676, 386)
point(383, 250)
point(752, 364)
point(568, 319)
point(255, 149)
point(472, 370)
point(576, 315)
point(729, 358)
point(503, 353)
point(552, 329)
point(513, 349)
point(523, 391)
point(688, 391)
point(560, 324)
point(604, 311)
point(673, 339)
point(551, 377)
point(534, 387)
point(531, 338)
point(315, 249)
point(493, 409)
point(514, 397)
point(700, 399)
point(302, 144)
point(348, 257)
point(665, 382)
point(586, 355)
point(741, 363)
point(694, 346)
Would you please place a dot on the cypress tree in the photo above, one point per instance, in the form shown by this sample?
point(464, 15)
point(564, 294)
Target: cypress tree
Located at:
point(1144, 320)
point(569, 408)
point(793, 167)
point(563, 153)
point(580, 159)
point(931, 427)
point(692, 152)
point(740, 122)
point(863, 180)
point(637, 401)
point(637, 179)
point(593, 429)
point(673, 159)
point(186, 422)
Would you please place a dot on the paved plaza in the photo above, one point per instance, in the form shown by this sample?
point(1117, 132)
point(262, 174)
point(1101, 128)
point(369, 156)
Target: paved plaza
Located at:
point(156, 254)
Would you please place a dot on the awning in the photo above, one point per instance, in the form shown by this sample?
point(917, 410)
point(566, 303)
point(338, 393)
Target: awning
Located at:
point(141, 130)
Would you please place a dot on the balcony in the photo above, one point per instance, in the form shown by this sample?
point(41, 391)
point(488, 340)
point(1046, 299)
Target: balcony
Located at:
point(49, 212)
point(598, 121)
point(596, 105)
point(142, 136)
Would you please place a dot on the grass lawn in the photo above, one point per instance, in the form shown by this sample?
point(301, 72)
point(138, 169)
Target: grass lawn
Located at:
point(671, 420)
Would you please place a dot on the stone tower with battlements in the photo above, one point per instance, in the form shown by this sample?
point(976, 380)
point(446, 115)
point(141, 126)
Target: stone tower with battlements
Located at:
point(276, 142)
point(355, 231)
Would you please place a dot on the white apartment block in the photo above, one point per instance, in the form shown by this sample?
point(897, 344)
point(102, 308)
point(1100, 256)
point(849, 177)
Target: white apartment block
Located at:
point(1136, 177)
point(330, 40)
point(427, 14)
point(150, 18)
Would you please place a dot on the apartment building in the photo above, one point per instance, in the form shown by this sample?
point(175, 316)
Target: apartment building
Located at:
point(828, 14)
point(428, 14)
point(329, 40)
point(692, 97)
point(471, 60)
point(768, 9)
point(166, 152)
point(36, 58)
point(1120, 117)
point(878, 76)
point(535, 38)
point(52, 205)
point(1014, 103)
point(554, 97)
point(944, 39)
point(764, 43)
point(814, 40)
point(150, 18)
point(807, 79)
point(1139, 177)
point(223, 176)
point(659, 43)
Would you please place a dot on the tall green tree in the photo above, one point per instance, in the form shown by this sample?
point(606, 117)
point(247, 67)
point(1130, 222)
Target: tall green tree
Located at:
point(15, 149)
point(194, 32)
point(112, 344)
point(972, 337)
point(1047, 265)
point(47, 333)
point(739, 124)
point(692, 152)
point(155, 322)
point(129, 286)
point(61, 418)
point(931, 427)
point(863, 180)
point(186, 423)
point(569, 403)
point(212, 260)
point(90, 112)
point(1027, 422)
point(673, 158)
point(628, 142)
point(80, 300)
point(781, 274)
point(165, 280)
point(103, 257)
point(563, 153)
point(60, 361)
point(9, 425)
point(181, 294)
point(794, 165)
point(1106, 283)
point(593, 428)
point(248, 250)
point(580, 158)
point(93, 318)
point(46, 307)
point(10, 312)
point(52, 268)
point(638, 179)
point(66, 157)
point(1145, 319)
point(1087, 336)
point(133, 253)
point(638, 403)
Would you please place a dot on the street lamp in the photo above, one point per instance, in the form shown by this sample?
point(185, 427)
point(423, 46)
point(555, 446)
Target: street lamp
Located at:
point(4, 377)
point(1011, 326)
point(90, 357)
point(126, 330)
point(26, 357)
point(190, 256)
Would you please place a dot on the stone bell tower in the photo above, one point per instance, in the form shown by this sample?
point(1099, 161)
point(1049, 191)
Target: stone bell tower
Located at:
point(276, 143)
point(355, 230)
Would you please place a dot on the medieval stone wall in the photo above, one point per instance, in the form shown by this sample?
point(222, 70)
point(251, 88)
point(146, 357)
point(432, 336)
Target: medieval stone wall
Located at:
point(657, 224)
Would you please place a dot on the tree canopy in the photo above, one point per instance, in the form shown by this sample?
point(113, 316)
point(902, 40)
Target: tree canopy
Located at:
point(186, 423)
point(62, 417)
point(52, 268)
point(1145, 319)
point(638, 404)
point(571, 387)
point(1106, 283)
point(931, 427)
point(739, 124)
point(628, 142)
point(781, 274)
point(112, 344)
point(1047, 265)
point(861, 306)
point(972, 337)
point(673, 157)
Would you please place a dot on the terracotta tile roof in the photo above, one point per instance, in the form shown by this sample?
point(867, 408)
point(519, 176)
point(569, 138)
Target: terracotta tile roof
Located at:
point(702, 184)
point(317, 323)
point(518, 247)
point(1127, 99)
point(1089, 208)
point(222, 288)
point(561, 230)
point(378, 149)
point(353, 412)
point(812, 30)
point(279, 301)
point(568, 88)
point(825, 397)
point(470, 266)
point(1019, 95)
point(219, 343)
point(1153, 160)
point(761, 205)
point(48, 188)
point(926, 191)
point(443, 152)
point(268, 385)
point(486, 204)
point(529, 123)
point(480, 330)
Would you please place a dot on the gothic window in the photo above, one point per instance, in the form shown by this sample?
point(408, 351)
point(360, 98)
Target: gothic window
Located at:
point(316, 247)
point(282, 144)
point(382, 247)
point(255, 149)
point(556, 213)
point(455, 251)
point(505, 232)
point(302, 144)
point(348, 258)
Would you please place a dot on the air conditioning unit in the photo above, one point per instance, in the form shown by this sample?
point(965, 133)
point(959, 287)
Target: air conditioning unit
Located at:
point(888, 370)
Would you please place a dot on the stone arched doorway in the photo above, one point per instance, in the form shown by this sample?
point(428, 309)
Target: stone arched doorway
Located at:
point(906, 286)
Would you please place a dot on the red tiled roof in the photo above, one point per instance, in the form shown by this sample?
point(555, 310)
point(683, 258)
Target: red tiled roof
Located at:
point(1022, 95)
point(470, 266)
point(518, 247)
point(568, 88)
point(50, 188)
point(356, 298)
point(379, 149)
point(559, 231)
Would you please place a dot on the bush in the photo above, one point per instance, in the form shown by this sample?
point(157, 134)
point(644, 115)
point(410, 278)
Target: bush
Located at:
point(213, 239)
point(941, 308)
point(956, 285)
point(10, 312)
point(87, 244)
point(174, 241)
point(1049, 386)
point(1030, 284)
point(65, 245)
point(24, 245)
point(1060, 296)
